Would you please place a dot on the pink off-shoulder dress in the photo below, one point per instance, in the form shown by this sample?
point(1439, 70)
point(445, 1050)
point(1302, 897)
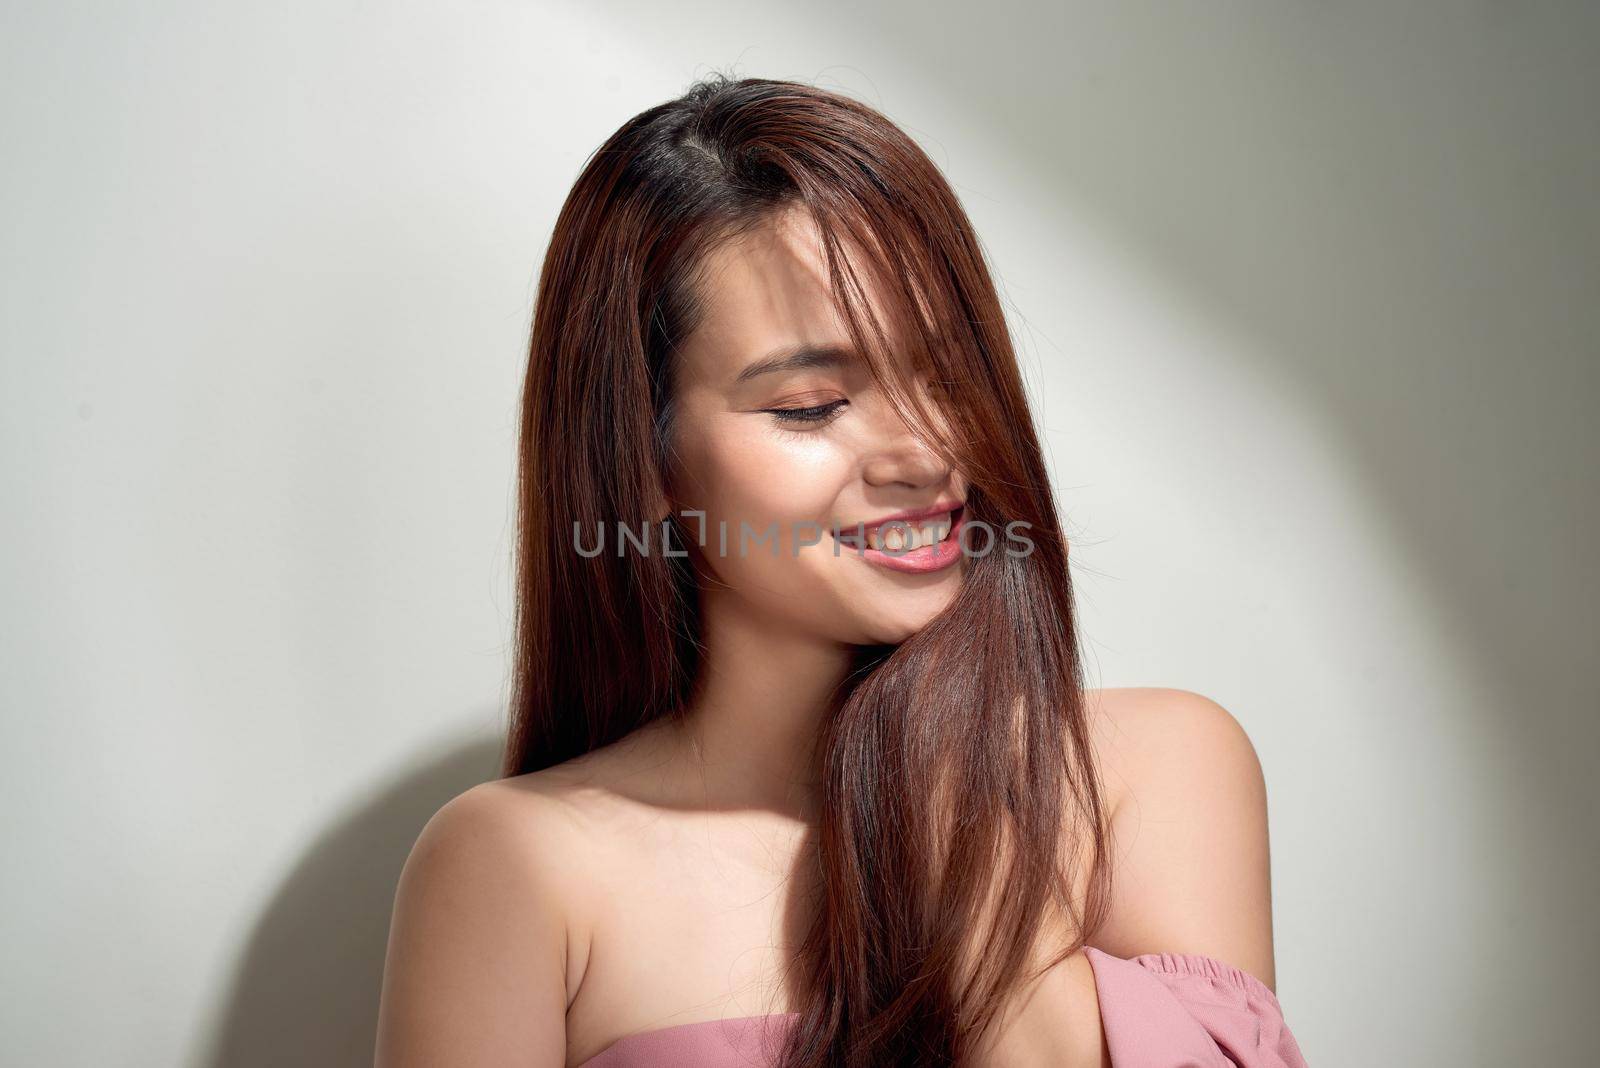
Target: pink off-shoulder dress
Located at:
point(1159, 1010)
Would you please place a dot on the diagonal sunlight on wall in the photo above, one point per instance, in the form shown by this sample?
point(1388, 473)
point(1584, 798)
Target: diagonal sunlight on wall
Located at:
point(1312, 282)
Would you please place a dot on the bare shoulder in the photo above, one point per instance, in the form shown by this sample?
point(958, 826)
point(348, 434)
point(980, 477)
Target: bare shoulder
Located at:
point(1153, 732)
point(483, 946)
point(527, 826)
point(1190, 856)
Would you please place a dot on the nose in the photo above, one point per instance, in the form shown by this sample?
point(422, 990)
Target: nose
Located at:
point(900, 457)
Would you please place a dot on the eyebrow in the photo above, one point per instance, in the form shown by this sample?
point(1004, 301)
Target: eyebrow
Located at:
point(797, 358)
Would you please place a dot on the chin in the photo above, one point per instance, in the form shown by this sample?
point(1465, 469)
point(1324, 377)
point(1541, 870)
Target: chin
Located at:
point(899, 628)
point(893, 636)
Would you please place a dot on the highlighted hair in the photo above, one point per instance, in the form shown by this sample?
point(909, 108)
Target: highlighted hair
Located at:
point(961, 802)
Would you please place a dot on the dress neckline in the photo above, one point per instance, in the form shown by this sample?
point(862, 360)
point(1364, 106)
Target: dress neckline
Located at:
point(1176, 965)
point(657, 1033)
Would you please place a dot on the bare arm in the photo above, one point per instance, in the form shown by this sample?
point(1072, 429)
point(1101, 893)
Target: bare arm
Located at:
point(476, 973)
point(1190, 871)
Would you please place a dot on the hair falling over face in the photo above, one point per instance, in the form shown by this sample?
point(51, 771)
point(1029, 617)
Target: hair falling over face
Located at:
point(929, 913)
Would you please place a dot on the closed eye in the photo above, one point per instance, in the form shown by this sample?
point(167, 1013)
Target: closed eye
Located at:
point(815, 415)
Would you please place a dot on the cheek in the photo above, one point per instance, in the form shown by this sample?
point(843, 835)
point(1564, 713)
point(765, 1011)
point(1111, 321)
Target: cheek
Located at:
point(740, 470)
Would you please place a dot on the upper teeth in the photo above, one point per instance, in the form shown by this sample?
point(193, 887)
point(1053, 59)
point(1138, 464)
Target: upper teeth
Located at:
point(908, 534)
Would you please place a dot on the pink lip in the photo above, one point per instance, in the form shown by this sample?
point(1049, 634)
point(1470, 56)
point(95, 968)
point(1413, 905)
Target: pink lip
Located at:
point(925, 558)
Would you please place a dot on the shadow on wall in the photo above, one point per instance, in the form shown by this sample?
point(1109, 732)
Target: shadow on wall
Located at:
point(307, 985)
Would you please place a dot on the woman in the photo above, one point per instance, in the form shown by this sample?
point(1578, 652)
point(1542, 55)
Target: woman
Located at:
point(801, 769)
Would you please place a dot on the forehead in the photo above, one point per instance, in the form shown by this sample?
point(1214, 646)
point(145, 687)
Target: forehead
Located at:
point(763, 291)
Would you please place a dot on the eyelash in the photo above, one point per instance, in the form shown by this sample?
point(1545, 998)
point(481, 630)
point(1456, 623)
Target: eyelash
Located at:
point(814, 416)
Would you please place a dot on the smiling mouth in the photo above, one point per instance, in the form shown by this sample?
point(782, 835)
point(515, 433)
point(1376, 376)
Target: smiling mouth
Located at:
point(902, 536)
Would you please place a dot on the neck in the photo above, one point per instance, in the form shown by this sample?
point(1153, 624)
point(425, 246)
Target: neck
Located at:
point(758, 707)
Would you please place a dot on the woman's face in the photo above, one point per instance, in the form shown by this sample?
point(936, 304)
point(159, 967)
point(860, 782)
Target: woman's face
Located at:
point(780, 435)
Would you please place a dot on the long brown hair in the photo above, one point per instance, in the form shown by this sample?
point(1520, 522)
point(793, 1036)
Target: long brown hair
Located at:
point(959, 790)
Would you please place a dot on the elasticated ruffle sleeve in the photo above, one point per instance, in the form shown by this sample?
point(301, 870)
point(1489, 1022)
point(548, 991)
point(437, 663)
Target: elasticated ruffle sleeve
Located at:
point(1185, 1010)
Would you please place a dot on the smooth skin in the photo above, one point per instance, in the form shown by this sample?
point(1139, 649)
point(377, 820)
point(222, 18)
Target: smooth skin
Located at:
point(658, 881)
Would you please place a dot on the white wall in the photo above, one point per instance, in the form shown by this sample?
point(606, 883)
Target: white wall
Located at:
point(1306, 294)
